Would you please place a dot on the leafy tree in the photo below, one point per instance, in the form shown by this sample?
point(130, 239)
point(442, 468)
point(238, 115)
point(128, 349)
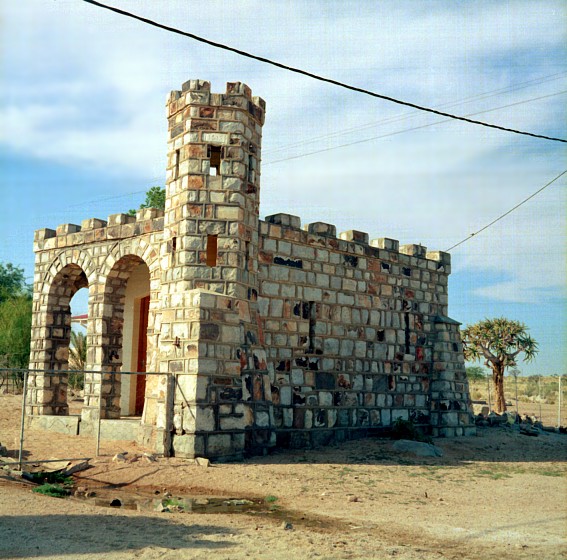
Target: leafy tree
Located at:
point(12, 282)
point(78, 351)
point(498, 341)
point(475, 373)
point(155, 198)
point(15, 317)
point(15, 332)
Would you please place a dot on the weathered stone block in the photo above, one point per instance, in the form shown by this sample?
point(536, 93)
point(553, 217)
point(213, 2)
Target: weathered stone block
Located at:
point(219, 445)
point(93, 223)
point(322, 229)
point(355, 236)
point(286, 220)
point(414, 250)
point(386, 244)
point(64, 229)
point(120, 219)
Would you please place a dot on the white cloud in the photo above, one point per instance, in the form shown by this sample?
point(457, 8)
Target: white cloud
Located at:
point(82, 86)
point(528, 247)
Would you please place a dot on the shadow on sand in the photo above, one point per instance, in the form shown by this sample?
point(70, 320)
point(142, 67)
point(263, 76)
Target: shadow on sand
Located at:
point(73, 535)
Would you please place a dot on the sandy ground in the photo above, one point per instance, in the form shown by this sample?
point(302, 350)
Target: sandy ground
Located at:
point(498, 495)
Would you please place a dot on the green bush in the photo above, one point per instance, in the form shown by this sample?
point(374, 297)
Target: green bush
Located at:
point(271, 499)
point(53, 490)
point(406, 429)
point(50, 478)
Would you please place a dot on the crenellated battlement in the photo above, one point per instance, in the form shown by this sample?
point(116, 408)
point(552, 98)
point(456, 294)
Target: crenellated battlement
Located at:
point(196, 101)
point(117, 226)
point(321, 234)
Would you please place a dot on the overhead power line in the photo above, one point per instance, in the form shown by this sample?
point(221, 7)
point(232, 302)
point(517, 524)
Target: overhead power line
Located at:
point(305, 154)
point(509, 211)
point(408, 115)
point(315, 76)
point(394, 133)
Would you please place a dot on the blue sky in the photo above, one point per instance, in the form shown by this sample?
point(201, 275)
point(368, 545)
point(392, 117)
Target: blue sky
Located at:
point(83, 129)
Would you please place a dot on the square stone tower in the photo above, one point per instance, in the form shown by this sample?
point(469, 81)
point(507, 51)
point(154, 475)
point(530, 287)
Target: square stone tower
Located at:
point(209, 318)
point(213, 189)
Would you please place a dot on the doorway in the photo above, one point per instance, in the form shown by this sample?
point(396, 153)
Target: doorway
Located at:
point(142, 355)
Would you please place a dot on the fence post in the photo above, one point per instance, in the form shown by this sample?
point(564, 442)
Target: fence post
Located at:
point(516, 383)
point(99, 417)
point(559, 404)
point(539, 396)
point(169, 402)
point(23, 420)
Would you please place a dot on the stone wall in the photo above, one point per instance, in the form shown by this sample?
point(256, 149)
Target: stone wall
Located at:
point(355, 333)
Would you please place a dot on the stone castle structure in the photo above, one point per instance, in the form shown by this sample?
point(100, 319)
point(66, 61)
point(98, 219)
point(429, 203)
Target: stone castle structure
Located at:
point(257, 333)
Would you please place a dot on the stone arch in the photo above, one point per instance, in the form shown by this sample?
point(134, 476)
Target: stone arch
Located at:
point(139, 248)
point(120, 267)
point(76, 257)
point(67, 273)
point(147, 253)
point(113, 302)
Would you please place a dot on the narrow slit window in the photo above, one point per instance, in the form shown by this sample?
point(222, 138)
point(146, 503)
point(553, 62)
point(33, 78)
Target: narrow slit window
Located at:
point(312, 320)
point(247, 255)
point(177, 156)
point(407, 333)
point(212, 243)
point(250, 169)
point(214, 154)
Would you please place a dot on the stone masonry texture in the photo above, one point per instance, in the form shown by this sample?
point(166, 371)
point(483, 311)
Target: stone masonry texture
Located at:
point(260, 332)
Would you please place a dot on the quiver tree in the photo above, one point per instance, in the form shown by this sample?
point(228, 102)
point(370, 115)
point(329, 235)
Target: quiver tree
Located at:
point(499, 342)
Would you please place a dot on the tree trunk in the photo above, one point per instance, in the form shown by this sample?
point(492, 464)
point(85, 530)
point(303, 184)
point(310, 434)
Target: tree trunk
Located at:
point(498, 378)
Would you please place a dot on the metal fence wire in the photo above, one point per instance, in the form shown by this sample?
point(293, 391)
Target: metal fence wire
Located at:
point(540, 397)
point(15, 381)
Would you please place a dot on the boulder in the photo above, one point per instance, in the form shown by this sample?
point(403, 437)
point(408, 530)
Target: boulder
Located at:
point(417, 448)
point(202, 462)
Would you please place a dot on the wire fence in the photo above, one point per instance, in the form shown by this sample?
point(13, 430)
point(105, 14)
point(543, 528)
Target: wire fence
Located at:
point(539, 397)
point(11, 382)
point(15, 383)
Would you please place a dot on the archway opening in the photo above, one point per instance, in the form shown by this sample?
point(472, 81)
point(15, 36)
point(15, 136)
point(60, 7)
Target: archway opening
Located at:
point(127, 299)
point(65, 285)
point(78, 350)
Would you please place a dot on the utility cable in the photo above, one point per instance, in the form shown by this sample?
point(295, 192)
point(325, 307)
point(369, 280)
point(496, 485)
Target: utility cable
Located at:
point(406, 130)
point(315, 76)
point(509, 211)
point(405, 116)
point(103, 199)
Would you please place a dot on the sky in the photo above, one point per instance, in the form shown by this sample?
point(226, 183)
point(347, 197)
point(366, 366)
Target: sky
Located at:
point(83, 128)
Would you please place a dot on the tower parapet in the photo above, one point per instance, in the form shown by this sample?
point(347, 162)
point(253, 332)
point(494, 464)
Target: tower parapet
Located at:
point(213, 186)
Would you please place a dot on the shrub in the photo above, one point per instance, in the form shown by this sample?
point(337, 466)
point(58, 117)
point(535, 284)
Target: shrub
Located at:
point(53, 490)
point(406, 429)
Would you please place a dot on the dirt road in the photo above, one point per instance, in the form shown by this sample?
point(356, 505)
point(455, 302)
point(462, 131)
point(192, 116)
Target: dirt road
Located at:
point(499, 495)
